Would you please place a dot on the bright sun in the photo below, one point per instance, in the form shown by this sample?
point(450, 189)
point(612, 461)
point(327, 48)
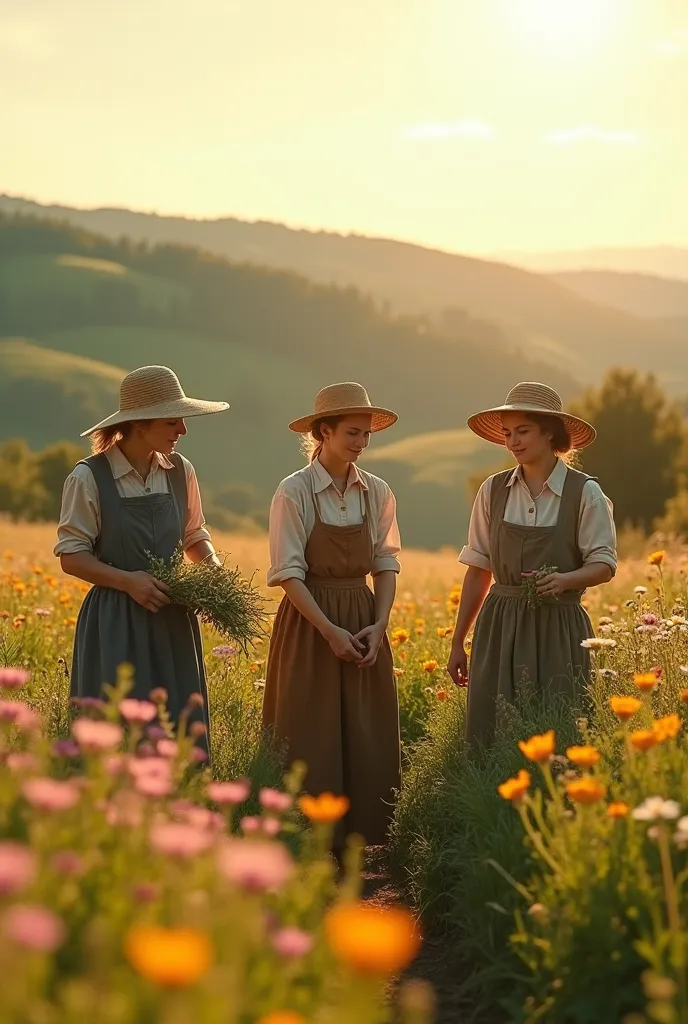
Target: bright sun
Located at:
point(563, 24)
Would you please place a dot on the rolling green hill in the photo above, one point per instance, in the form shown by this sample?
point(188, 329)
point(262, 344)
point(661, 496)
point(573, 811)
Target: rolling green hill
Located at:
point(547, 321)
point(642, 295)
point(86, 310)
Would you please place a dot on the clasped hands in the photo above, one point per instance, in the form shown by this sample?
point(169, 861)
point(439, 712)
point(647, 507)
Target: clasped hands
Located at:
point(361, 648)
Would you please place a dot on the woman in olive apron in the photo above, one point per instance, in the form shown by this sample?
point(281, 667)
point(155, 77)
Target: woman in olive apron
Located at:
point(330, 692)
point(135, 496)
point(542, 514)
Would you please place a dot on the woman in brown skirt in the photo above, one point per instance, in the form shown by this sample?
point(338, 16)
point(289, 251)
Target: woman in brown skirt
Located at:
point(330, 693)
point(542, 514)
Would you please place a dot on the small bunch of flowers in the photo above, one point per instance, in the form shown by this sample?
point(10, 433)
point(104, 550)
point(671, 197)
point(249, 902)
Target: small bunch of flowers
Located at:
point(531, 581)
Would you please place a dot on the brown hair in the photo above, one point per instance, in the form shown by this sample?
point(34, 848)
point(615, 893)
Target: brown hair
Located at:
point(312, 443)
point(102, 440)
point(561, 438)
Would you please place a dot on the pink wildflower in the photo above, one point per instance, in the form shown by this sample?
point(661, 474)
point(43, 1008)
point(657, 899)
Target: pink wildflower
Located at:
point(124, 810)
point(177, 840)
point(115, 764)
point(154, 786)
point(273, 800)
point(42, 612)
point(68, 863)
point(155, 733)
point(19, 713)
point(17, 867)
point(224, 651)
point(251, 825)
point(229, 792)
point(254, 864)
point(203, 818)
point(96, 737)
point(167, 748)
point(137, 710)
point(65, 748)
point(291, 942)
point(34, 927)
point(145, 892)
point(198, 755)
point(22, 761)
point(50, 794)
point(271, 826)
point(14, 677)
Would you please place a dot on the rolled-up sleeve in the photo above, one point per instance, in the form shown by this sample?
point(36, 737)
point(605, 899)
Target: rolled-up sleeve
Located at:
point(196, 528)
point(596, 529)
point(387, 537)
point(288, 540)
point(79, 524)
point(476, 551)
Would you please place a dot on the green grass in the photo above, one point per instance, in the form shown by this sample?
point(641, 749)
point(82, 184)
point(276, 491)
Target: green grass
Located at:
point(443, 457)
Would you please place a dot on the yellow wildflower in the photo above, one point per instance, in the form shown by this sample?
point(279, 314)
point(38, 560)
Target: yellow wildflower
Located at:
point(19, 587)
point(515, 788)
point(400, 635)
point(625, 707)
point(667, 728)
point(538, 748)
point(586, 790)
point(324, 809)
point(430, 665)
point(585, 756)
point(173, 957)
point(372, 940)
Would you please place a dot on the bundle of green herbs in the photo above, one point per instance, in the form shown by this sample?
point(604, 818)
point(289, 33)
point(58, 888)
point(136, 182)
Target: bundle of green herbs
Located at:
point(221, 597)
point(531, 581)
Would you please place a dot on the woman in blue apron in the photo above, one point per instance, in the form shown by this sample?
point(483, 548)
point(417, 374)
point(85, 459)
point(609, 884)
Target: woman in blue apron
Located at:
point(135, 496)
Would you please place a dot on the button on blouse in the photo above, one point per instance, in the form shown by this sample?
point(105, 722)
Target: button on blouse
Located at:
point(292, 518)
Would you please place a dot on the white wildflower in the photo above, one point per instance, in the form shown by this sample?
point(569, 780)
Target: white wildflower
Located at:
point(598, 643)
point(640, 590)
point(656, 808)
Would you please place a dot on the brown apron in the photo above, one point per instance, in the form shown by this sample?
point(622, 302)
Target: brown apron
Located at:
point(343, 722)
point(511, 639)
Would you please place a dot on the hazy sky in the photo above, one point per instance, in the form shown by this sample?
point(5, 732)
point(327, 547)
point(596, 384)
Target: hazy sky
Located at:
point(475, 125)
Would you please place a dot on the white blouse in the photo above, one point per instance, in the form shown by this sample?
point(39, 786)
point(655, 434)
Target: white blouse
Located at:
point(596, 530)
point(79, 525)
point(292, 518)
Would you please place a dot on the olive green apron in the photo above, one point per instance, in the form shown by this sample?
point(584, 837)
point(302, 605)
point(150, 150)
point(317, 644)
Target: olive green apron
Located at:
point(513, 640)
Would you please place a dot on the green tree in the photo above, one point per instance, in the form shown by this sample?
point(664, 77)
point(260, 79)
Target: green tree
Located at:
point(21, 491)
point(53, 465)
point(641, 433)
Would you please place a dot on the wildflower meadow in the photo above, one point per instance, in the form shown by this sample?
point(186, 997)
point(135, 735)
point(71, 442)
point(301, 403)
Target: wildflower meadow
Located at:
point(548, 877)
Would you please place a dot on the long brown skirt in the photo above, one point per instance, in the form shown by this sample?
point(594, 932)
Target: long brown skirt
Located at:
point(343, 722)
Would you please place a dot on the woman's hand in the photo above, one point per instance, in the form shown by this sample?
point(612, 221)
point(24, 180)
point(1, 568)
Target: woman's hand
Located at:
point(553, 585)
point(147, 591)
point(371, 637)
point(344, 644)
point(457, 667)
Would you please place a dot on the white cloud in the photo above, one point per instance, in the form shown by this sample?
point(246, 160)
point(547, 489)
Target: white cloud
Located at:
point(591, 133)
point(432, 131)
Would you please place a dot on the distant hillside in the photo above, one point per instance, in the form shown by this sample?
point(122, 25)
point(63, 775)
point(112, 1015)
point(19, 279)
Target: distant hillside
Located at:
point(660, 261)
point(537, 315)
point(77, 311)
point(640, 294)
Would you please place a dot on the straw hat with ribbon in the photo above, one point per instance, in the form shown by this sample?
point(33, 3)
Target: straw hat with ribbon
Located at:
point(533, 398)
point(344, 400)
point(153, 393)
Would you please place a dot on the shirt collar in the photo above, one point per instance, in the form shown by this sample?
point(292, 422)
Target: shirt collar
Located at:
point(121, 465)
point(555, 481)
point(323, 480)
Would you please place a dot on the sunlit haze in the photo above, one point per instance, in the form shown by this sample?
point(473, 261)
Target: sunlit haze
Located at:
point(473, 125)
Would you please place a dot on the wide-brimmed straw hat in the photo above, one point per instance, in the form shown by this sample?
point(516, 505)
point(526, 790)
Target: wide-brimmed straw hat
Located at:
point(534, 398)
point(347, 399)
point(152, 393)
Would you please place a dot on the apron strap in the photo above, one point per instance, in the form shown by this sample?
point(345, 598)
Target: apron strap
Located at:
point(177, 478)
point(108, 497)
point(569, 510)
point(499, 495)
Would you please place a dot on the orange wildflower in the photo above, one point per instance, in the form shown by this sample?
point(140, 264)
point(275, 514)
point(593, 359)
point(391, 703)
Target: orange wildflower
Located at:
point(657, 557)
point(645, 681)
point(441, 694)
point(617, 810)
point(400, 635)
point(585, 756)
point(643, 739)
point(282, 1017)
point(540, 747)
point(586, 790)
point(625, 707)
point(684, 696)
point(430, 665)
point(515, 789)
point(324, 809)
point(372, 940)
point(172, 957)
point(667, 728)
